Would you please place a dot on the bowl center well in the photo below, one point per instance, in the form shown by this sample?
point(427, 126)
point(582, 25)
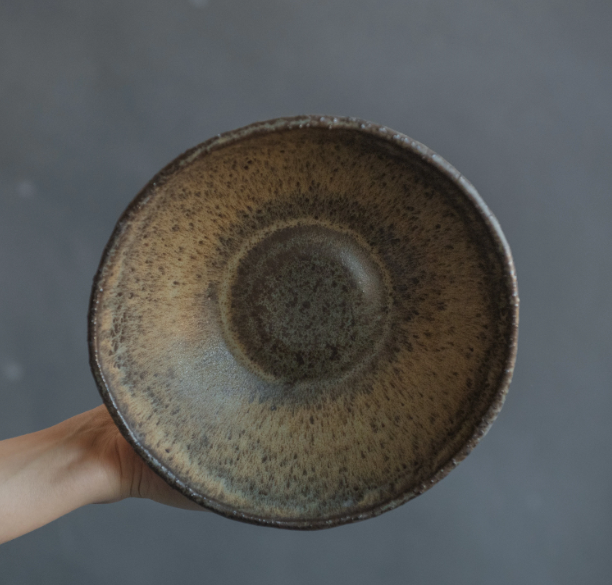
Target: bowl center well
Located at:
point(304, 303)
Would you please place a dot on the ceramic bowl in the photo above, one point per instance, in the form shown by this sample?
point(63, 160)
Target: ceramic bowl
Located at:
point(305, 322)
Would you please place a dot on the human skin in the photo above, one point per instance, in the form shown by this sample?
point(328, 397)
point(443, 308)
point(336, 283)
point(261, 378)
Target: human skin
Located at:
point(82, 460)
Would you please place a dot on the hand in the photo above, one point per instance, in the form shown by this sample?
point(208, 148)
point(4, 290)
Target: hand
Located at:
point(124, 473)
point(83, 460)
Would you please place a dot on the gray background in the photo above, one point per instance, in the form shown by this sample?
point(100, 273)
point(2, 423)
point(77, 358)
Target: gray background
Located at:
point(95, 97)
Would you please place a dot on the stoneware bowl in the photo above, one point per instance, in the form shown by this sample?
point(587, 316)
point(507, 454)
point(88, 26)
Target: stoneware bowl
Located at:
point(305, 322)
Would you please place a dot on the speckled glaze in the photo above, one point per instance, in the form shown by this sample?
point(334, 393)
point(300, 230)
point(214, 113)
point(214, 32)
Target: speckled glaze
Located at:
point(305, 322)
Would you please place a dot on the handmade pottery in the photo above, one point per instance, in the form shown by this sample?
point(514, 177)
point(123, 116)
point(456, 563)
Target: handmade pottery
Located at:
point(305, 322)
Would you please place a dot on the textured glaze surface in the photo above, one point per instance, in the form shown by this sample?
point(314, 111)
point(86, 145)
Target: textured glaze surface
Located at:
point(305, 324)
point(305, 304)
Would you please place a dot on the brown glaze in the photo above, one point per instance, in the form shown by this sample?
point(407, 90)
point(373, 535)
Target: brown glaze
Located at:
point(306, 304)
point(305, 322)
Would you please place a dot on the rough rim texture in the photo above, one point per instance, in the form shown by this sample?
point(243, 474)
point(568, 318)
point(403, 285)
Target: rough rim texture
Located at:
point(331, 123)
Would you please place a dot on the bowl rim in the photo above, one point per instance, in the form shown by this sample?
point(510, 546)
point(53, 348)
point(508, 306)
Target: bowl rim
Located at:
point(331, 123)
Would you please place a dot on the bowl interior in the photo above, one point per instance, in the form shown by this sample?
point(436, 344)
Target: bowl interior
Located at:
point(304, 326)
